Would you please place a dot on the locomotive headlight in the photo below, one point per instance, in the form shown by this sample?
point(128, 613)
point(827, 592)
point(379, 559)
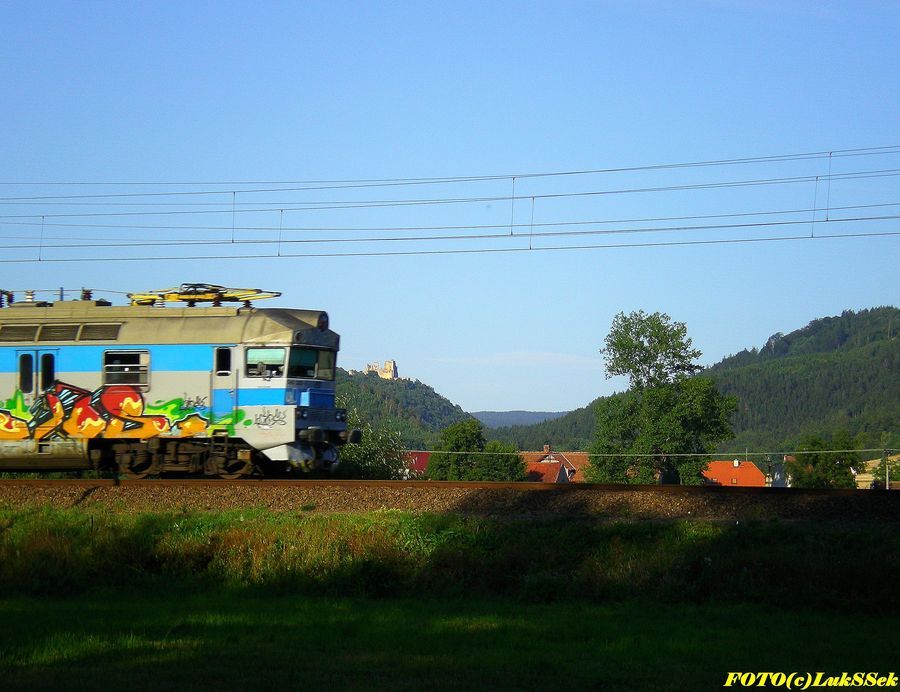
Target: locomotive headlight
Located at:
point(339, 416)
point(303, 413)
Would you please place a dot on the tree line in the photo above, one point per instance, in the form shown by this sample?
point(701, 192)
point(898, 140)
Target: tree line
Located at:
point(836, 374)
point(674, 416)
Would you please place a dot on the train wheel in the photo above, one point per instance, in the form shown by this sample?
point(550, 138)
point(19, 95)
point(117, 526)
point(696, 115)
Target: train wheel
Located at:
point(134, 467)
point(230, 469)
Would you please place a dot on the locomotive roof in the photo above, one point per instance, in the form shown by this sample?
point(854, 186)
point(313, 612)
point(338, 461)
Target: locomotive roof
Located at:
point(93, 321)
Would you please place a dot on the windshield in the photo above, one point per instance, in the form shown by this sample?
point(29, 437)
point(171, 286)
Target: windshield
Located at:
point(311, 363)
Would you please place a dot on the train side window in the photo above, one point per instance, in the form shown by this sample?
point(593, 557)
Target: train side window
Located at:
point(126, 367)
point(26, 373)
point(265, 361)
point(48, 370)
point(223, 361)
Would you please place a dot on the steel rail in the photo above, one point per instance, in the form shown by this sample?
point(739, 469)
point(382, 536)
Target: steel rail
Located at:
point(274, 484)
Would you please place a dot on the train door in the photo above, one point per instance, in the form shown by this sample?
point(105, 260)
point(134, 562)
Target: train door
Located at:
point(224, 383)
point(36, 370)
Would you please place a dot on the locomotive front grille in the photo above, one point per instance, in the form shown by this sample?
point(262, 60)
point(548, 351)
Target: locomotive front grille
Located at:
point(307, 414)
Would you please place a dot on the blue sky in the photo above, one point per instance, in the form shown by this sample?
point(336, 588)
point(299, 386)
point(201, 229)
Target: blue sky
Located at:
point(203, 93)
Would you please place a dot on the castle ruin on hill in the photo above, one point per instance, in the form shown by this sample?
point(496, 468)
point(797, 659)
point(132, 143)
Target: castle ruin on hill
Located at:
point(388, 372)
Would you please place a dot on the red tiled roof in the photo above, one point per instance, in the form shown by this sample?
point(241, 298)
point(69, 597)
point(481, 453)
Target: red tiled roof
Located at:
point(577, 460)
point(745, 474)
point(539, 466)
point(418, 462)
point(543, 472)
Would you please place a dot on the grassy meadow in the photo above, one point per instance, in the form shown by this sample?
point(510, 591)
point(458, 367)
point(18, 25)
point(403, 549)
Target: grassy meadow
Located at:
point(231, 640)
point(393, 600)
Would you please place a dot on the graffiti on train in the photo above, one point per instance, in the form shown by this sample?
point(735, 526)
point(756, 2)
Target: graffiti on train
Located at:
point(67, 411)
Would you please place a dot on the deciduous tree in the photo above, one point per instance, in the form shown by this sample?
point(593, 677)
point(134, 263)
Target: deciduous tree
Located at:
point(378, 456)
point(820, 464)
point(464, 455)
point(651, 350)
point(668, 421)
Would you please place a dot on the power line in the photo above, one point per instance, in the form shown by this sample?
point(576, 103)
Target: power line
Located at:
point(366, 182)
point(456, 251)
point(736, 183)
point(543, 224)
point(431, 238)
point(350, 204)
point(680, 455)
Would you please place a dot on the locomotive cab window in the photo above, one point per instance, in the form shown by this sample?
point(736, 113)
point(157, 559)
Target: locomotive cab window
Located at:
point(265, 362)
point(311, 363)
point(126, 367)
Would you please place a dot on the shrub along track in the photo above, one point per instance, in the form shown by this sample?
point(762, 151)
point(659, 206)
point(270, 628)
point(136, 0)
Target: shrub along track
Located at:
point(514, 500)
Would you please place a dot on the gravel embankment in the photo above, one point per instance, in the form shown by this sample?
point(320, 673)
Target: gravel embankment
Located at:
point(649, 503)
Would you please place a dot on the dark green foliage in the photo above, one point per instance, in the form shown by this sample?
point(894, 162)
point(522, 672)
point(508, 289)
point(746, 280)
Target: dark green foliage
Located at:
point(666, 414)
point(651, 350)
point(835, 373)
point(378, 456)
point(454, 460)
point(784, 399)
point(501, 462)
point(573, 431)
point(503, 419)
point(887, 470)
point(409, 408)
point(616, 433)
point(849, 331)
point(812, 467)
point(659, 424)
point(464, 455)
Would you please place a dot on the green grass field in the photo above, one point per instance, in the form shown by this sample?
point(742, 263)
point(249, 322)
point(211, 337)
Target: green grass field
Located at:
point(391, 600)
point(129, 640)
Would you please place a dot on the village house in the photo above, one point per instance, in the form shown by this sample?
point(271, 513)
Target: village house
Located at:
point(742, 474)
point(549, 466)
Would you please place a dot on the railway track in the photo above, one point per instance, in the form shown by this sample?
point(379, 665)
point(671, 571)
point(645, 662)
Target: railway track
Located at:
point(275, 483)
point(632, 502)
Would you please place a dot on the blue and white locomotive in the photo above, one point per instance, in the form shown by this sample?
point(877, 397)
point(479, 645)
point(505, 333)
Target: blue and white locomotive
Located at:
point(147, 388)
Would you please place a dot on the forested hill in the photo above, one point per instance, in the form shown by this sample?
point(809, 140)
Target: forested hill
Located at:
point(836, 373)
point(571, 432)
point(847, 332)
point(409, 406)
point(498, 419)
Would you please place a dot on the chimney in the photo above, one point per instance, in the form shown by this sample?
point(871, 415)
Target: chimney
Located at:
point(546, 449)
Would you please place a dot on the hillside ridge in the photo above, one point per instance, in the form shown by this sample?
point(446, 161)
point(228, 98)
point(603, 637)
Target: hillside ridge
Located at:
point(836, 372)
point(839, 372)
point(499, 419)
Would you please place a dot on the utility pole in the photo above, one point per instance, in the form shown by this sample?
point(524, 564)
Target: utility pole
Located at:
point(887, 469)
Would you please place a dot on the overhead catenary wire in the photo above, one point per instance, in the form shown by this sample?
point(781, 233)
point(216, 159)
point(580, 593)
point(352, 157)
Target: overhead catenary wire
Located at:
point(281, 227)
point(430, 238)
point(321, 205)
point(467, 251)
point(674, 455)
point(79, 232)
point(372, 182)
